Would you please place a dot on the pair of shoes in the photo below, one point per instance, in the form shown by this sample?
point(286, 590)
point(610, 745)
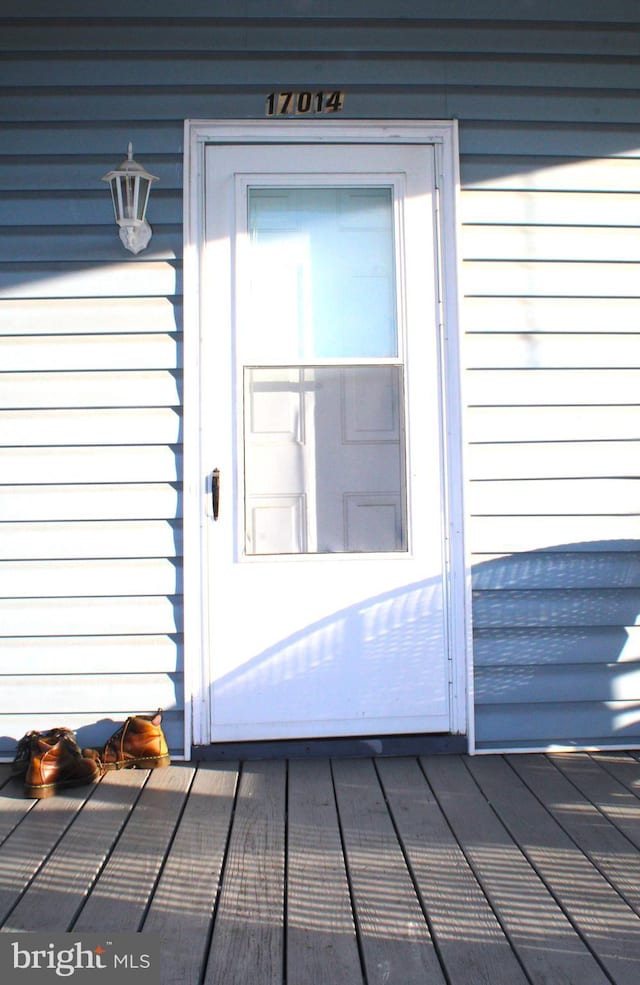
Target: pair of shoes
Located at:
point(139, 743)
point(51, 761)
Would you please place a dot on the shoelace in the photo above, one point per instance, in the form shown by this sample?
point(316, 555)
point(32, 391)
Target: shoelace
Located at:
point(117, 735)
point(23, 751)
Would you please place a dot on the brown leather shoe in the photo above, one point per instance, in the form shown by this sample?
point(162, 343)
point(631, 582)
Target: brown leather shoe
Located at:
point(138, 743)
point(28, 742)
point(55, 765)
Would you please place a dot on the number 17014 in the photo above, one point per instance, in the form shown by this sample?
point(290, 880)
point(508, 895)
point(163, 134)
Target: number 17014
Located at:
point(300, 103)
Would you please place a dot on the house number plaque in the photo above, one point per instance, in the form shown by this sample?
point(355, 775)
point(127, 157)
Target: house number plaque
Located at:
point(304, 103)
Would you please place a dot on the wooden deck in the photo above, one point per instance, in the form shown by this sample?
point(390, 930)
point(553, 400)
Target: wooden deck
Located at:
point(443, 870)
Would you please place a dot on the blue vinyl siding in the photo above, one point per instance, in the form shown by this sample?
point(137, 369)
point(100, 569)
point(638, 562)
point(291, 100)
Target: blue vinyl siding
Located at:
point(548, 101)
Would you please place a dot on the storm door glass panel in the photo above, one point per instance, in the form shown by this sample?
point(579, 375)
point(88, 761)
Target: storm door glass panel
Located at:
point(321, 274)
point(324, 459)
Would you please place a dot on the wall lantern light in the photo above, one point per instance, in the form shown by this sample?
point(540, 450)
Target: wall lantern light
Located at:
point(130, 186)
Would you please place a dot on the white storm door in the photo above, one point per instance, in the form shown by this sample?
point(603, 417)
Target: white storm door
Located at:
point(321, 418)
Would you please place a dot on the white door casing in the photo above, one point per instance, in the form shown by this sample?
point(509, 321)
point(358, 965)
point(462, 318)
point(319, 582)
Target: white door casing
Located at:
point(321, 600)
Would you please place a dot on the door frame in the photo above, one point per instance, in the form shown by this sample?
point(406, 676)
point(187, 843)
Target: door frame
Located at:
point(443, 135)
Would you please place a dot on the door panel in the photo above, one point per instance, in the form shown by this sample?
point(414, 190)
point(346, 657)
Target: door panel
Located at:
point(324, 458)
point(320, 369)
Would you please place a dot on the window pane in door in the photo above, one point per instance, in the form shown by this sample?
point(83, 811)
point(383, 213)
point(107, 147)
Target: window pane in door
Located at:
point(324, 460)
point(321, 276)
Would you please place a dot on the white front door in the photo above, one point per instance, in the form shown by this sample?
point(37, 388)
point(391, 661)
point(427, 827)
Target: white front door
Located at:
point(321, 442)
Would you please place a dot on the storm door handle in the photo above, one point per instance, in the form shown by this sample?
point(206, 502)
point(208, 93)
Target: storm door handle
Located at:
point(215, 492)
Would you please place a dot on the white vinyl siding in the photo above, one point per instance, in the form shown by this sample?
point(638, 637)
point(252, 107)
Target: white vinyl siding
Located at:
point(547, 96)
point(553, 429)
point(90, 478)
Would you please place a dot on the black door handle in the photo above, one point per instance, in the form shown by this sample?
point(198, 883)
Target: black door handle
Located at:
point(215, 492)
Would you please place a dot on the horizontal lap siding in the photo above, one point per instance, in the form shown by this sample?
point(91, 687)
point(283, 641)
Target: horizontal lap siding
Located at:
point(552, 378)
point(90, 337)
point(90, 416)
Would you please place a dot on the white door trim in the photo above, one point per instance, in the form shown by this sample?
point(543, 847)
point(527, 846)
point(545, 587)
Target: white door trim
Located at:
point(444, 136)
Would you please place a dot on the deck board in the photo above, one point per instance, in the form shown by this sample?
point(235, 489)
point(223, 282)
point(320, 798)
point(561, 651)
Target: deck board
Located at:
point(622, 767)
point(181, 910)
point(13, 806)
point(396, 942)
point(490, 870)
point(62, 884)
point(31, 842)
point(248, 935)
point(321, 935)
point(610, 929)
point(122, 891)
point(604, 779)
point(541, 935)
point(602, 842)
point(471, 942)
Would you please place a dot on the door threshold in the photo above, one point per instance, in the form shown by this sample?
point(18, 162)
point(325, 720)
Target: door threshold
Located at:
point(345, 747)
